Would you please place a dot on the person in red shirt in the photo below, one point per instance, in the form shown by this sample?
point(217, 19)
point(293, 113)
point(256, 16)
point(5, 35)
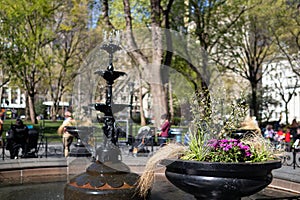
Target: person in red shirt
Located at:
point(287, 139)
point(280, 135)
point(164, 130)
point(279, 138)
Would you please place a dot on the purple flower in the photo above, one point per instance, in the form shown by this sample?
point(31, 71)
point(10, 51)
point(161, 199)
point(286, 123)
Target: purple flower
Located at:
point(233, 140)
point(248, 154)
point(224, 141)
point(227, 147)
point(213, 143)
point(236, 151)
point(245, 147)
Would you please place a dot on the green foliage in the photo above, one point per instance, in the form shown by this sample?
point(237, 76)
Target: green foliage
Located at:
point(261, 149)
point(140, 13)
point(27, 30)
point(209, 135)
point(197, 149)
point(40, 108)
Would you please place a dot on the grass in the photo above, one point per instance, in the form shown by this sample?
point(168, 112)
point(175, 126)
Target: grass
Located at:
point(50, 127)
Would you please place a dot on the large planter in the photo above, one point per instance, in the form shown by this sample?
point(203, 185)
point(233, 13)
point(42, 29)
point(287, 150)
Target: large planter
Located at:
point(214, 180)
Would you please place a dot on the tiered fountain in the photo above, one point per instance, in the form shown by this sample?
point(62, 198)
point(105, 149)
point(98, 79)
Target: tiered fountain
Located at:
point(108, 177)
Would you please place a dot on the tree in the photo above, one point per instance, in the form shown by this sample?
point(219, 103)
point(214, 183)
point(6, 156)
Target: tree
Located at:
point(250, 47)
point(30, 32)
point(72, 42)
point(268, 103)
point(4, 70)
point(285, 84)
point(287, 32)
point(210, 22)
point(213, 22)
point(157, 15)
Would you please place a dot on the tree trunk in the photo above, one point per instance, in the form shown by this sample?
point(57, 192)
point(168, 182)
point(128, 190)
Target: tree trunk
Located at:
point(27, 113)
point(286, 113)
point(253, 104)
point(143, 119)
point(105, 15)
point(32, 109)
point(156, 83)
point(157, 87)
point(171, 108)
point(54, 112)
point(159, 104)
point(1, 94)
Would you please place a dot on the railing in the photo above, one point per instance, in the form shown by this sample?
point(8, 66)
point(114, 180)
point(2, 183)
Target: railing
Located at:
point(41, 149)
point(51, 146)
point(292, 158)
point(4, 153)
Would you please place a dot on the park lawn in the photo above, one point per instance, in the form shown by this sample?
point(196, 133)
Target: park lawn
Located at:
point(49, 127)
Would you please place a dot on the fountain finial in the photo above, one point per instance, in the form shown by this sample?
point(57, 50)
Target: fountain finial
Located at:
point(111, 139)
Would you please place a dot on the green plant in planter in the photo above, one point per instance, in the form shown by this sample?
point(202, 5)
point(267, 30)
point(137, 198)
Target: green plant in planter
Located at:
point(253, 148)
point(212, 143)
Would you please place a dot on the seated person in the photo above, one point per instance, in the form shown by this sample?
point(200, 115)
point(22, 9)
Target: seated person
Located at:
point(17, 138)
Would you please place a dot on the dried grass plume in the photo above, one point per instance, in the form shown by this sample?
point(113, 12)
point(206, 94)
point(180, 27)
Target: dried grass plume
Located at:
point(146, 180)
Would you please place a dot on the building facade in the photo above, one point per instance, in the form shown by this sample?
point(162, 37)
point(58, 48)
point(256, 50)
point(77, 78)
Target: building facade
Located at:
point(283, 89)
point(12, 102)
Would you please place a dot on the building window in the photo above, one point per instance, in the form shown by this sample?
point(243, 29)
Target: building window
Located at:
point(14, 96)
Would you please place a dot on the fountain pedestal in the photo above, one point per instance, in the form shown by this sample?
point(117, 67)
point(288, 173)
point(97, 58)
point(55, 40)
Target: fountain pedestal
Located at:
point(105, 181)
point(80, 149)
point(107, 178)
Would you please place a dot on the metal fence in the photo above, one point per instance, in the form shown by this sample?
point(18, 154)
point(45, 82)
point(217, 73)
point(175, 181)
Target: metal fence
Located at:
point(292, 158)
point(52, 146)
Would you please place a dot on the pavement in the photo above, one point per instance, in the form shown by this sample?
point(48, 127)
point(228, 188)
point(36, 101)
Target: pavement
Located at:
point(285, 185)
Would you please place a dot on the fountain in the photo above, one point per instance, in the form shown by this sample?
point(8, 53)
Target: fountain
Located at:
point(108, 177)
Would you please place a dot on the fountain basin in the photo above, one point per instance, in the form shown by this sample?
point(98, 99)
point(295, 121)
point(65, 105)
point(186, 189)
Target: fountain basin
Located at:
point(162, 190)
point(33, 170)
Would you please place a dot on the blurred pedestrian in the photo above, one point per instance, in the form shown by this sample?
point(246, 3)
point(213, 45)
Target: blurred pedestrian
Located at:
point(294, 127)
point(287, 139)
point(269, 133)
point(279, 138)
point(297, 133)
point(296, 144)
point(67, 138)
point(164, 130)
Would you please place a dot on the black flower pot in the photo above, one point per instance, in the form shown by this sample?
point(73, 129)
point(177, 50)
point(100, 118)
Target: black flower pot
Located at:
point(214, 180)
